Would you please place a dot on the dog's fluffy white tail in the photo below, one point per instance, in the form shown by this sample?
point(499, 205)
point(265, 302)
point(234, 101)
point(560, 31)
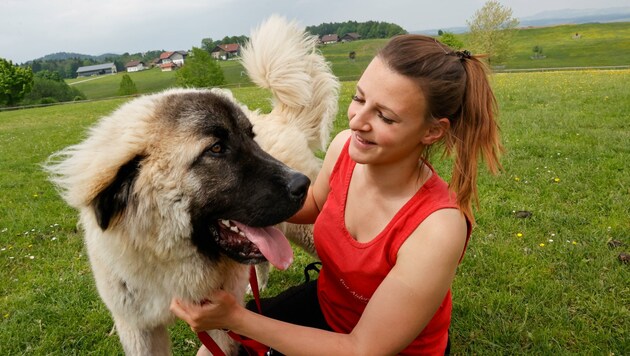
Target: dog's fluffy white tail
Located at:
point(282, 57)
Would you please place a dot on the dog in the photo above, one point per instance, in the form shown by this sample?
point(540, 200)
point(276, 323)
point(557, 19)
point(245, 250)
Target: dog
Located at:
point(177, 192)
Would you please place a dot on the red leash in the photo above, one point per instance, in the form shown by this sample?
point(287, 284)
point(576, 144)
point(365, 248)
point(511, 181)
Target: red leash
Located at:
point(253, 347)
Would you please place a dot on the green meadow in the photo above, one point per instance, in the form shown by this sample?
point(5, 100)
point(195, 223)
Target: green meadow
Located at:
point(547, 284)
point(597, 45)
point(106, 86)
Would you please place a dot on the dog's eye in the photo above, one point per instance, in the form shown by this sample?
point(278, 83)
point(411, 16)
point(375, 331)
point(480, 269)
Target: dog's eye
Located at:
point(216, 149)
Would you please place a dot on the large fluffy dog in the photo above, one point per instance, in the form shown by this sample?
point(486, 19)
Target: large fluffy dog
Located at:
point(175, 192)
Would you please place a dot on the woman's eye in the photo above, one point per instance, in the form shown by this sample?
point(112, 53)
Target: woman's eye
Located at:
point(357, 99)
point(386, 120)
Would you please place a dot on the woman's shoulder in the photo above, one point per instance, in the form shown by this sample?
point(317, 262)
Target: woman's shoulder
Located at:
point(443, 233)
point(334, 149)
point(339, 141)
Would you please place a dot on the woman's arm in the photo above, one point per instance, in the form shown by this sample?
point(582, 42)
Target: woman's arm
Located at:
point(414, 289)
point(400, 308)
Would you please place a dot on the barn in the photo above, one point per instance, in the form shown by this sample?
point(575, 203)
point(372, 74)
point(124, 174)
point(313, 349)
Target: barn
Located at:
point(98, 69)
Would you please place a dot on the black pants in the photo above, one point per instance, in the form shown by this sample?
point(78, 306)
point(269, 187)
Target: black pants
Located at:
point(297, 305)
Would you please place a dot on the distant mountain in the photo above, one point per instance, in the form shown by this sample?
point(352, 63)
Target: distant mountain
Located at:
point(69, 55)
point(556, 17)
point(572, 16)
point(434, 31)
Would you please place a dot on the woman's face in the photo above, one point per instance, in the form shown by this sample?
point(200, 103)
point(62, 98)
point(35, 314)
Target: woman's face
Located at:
point(386, 116)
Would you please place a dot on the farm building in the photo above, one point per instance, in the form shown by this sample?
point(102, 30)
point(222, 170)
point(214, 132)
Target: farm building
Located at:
point(350, 36)
point(171, 60)
point(168, 66)
point(226, 51)
point(98, 69)
point(135, 66)
point(328, 39)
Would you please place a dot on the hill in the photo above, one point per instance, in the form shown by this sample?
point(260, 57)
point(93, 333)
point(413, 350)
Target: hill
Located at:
point(582, 16)
point(604, 44)
point(69, 55)
point(599, 45)
point(555, 18)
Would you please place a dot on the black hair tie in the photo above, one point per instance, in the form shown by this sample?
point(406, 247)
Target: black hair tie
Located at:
point(465, 54)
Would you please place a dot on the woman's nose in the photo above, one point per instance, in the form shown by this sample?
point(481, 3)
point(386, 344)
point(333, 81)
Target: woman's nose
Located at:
point(359, 120)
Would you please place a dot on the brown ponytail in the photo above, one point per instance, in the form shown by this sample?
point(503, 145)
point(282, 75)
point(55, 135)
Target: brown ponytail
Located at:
point(455, 85)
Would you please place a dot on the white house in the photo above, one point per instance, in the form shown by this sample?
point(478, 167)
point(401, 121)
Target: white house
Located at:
point(135, 66)
point(176, 57)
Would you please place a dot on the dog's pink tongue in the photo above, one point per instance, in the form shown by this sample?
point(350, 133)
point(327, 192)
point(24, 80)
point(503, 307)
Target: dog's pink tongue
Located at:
point(271, 242)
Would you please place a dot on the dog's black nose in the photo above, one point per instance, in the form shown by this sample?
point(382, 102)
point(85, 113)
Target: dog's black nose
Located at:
point(298, 186)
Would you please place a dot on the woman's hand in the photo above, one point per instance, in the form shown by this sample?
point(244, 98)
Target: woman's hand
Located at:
point(216, 312)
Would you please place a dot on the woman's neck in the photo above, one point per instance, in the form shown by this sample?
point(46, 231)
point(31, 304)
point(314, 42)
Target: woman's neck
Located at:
point(403, 178)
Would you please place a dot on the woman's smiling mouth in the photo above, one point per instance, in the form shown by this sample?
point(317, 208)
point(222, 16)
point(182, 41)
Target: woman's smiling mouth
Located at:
point(361, 141)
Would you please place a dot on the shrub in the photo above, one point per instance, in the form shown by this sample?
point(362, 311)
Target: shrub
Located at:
point(48, 89)
point(48, 100)
point(127, 86)
point(15, 82)
point(451, 40)
point(200, 71)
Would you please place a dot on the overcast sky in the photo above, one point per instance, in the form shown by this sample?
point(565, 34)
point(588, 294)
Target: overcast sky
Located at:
point(30, 29)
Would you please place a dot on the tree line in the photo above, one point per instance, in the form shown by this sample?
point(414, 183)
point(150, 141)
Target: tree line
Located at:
point(369, 29)
point(208, 44)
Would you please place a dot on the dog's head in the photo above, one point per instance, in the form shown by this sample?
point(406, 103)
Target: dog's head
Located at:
point(182, 166)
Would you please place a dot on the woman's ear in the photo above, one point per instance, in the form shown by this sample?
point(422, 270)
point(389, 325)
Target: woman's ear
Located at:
point(437, 129)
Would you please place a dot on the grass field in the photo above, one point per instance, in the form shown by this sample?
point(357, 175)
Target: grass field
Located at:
point(106, 86)
point(548, 284)
point(605, 44)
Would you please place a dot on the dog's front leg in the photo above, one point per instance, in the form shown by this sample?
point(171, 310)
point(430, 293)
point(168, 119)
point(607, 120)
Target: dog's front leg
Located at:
point(140, 342)
point(262, 276)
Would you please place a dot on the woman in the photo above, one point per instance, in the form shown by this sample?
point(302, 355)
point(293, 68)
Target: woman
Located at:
point(389, 231)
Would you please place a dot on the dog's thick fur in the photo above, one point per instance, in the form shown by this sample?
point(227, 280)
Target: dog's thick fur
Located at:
point(152, 181)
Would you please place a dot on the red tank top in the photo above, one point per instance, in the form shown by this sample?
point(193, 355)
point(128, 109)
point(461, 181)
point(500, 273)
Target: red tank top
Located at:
point(352, 271)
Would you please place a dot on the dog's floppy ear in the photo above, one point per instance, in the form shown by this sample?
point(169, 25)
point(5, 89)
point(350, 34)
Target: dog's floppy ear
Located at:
point(112, 200)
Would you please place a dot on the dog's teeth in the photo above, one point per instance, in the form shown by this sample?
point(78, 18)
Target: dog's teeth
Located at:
point(234, 228)
point(242, 233)
point(225, 222)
